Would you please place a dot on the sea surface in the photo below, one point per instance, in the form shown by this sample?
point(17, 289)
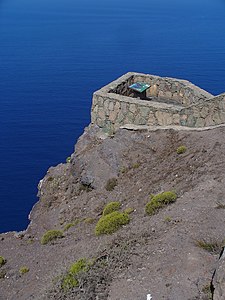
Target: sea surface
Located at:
point(55, 53)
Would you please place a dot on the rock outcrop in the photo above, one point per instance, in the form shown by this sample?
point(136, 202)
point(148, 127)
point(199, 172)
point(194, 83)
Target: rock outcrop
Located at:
point(170, 255)
point(218, 282)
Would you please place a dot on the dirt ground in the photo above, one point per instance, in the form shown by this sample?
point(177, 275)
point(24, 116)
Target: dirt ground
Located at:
point(155, 255)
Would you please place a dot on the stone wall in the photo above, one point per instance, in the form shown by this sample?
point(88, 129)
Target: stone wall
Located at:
point(180, 91)
point(205, 113)
point(123, 87)
point(114, 105)
point(112, 111)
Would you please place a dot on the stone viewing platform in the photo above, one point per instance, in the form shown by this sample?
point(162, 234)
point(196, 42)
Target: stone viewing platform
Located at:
point(167, 101)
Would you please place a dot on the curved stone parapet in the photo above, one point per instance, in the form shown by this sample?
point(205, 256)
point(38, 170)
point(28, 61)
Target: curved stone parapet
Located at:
point(168, 101)
point(114, 111)
point(177, 90)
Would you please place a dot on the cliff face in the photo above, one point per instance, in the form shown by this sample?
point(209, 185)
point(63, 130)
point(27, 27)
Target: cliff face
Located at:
point(164, 255)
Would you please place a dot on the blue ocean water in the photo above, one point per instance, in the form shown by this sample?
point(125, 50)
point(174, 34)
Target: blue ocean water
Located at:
point(54, 54)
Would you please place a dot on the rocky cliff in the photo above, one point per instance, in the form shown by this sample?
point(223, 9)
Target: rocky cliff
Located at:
point(171, 254)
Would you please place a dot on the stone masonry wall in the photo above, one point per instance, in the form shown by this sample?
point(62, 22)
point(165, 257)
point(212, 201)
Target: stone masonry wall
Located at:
point(180, 91)
point(123, 87)
point(205, 113)
point(113, 106)
point(112, 111)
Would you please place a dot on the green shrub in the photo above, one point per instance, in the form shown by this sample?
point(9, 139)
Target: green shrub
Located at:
point(24, 270)
point(181, 149)
point(111, 207)
point(78, 266)
point(158, 201)
point(89, 220)
point(111, 183)
point(73, 223)
point(30, 240)
point(129, 210)
point(68, 159)
point(167, 219)
point(207, 291)
point(136, 165)
point(2, 273)
point(2, 261)
point(112, 222)
point(68, 226)
point(70, 280)
point(51, 235)
point(212, 246)
point(123, 170)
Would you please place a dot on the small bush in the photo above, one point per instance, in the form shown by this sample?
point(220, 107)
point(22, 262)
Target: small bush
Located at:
point(167, 219)
point(2, 273)
point(24, 270)
point(112, 222)
point(70, 280)
point(68, 226)
point(159, 201)
point(129, 210)
point(212, 246)
point(111, 183)
point(181, 149)
point(124, 170)
point(73, 223)
point(30, 240)
point(111, 207)
point(2, 261)
point(51, 235)
point(89, 220)
point(78, 266)
point(136, 165)
point(68, 159)
point(207, 291)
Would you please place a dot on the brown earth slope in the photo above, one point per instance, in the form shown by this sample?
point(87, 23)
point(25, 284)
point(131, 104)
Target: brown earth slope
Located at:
point(158, 255)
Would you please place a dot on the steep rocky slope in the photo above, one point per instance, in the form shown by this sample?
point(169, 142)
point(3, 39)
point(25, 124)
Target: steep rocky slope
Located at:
point(162, 255)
